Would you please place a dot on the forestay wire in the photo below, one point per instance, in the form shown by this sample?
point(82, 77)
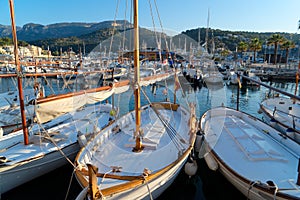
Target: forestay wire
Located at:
point(174, 136)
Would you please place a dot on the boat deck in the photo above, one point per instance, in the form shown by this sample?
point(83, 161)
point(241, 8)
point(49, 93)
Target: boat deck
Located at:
point(247, 150)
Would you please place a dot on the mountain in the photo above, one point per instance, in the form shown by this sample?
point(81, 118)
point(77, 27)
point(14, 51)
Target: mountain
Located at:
point(89, 35)
point(110, 39)
point(5, 31)
point(31, 32)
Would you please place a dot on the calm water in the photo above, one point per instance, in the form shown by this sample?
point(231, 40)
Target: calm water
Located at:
point(207, 184)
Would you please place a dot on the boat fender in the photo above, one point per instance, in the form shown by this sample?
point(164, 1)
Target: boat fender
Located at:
point(1, 132)
point(112, 112)
point(210, 161)
point(202, 148)
point(190, 168)
point(81, 139)
point(198, 141)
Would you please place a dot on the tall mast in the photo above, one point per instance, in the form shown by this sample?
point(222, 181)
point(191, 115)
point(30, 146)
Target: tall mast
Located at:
point(206, 37)
point(199, 38)
point(137, 101)
point(17, 63)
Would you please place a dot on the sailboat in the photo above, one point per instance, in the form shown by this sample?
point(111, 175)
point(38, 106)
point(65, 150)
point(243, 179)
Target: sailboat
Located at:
point(283, 113)
point(55, 144)
point(257, 159)
point(10, 118)
point(140, 154)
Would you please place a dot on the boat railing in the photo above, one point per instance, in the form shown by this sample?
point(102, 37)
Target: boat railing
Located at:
point(270, 87)
point(265, 85)
point(287, 114)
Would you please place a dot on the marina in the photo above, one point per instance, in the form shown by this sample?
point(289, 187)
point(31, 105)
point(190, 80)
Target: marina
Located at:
point(203, 183)
point(142, 118)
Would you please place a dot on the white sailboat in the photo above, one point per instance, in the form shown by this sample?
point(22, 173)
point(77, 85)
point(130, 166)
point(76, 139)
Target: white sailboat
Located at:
point(257, 159)
point(283, 114)
point(212, 77)
point(47, 148)
point(10, 117)
point(141, 153)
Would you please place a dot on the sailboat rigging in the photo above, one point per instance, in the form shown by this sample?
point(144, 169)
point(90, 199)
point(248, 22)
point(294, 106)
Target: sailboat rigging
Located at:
point(116, 165)
point(137, 100)
point(53, 145)
point(17, 63)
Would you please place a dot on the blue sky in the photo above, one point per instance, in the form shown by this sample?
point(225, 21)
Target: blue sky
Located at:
point(176, 15)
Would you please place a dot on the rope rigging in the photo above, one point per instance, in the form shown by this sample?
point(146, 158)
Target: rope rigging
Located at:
point(174, 136)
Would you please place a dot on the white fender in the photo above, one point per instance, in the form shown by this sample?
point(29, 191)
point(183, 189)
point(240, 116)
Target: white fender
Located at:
point(198, 142)
point(210, 161)
point(190, 168)
point(81, 139)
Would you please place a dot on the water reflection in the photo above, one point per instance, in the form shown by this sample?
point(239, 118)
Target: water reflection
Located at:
point(204, 97)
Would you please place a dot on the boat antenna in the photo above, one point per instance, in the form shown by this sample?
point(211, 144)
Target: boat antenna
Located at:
point(19, 76)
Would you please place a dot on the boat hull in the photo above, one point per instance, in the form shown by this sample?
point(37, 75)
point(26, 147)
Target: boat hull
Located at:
point(258, 160)
point(276, 113)
point(18, 174)
point(246, 187)
point(156, 186)
point(164, 172)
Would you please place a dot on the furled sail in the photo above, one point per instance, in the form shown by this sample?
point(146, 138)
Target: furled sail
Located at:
point(52, 107)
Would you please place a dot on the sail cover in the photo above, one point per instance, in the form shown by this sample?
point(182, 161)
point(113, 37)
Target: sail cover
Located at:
point(53, 107)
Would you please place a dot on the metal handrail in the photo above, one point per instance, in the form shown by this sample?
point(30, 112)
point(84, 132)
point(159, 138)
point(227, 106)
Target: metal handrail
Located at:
point(270, 87)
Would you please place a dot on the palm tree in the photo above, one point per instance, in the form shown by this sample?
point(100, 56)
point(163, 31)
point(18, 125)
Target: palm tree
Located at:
point(255, 45)
point(242, 46)
point(287, 45)
point(275, 39)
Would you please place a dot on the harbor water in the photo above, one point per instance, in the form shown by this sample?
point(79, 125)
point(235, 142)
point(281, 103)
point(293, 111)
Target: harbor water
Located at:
point(61, 183)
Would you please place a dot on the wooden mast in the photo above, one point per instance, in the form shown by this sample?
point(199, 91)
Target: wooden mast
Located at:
point(17, 62)
point(138, 147)
point(175, 84)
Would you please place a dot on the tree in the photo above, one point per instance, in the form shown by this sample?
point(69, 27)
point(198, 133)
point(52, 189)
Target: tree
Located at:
point(287, 45)
point(255, 45)
point(275, 39)
point(225, 52)
point(22, 43)
point(242, 46)
point(5, 41)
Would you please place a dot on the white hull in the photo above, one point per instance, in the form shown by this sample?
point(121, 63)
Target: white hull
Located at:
point(282, 114)
point(244, 186)
point(156, 187)
point(17, 136)
point(13, 176)
point(213, 78)
point(250, 153)
point(109, 148)
point(21, 163)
